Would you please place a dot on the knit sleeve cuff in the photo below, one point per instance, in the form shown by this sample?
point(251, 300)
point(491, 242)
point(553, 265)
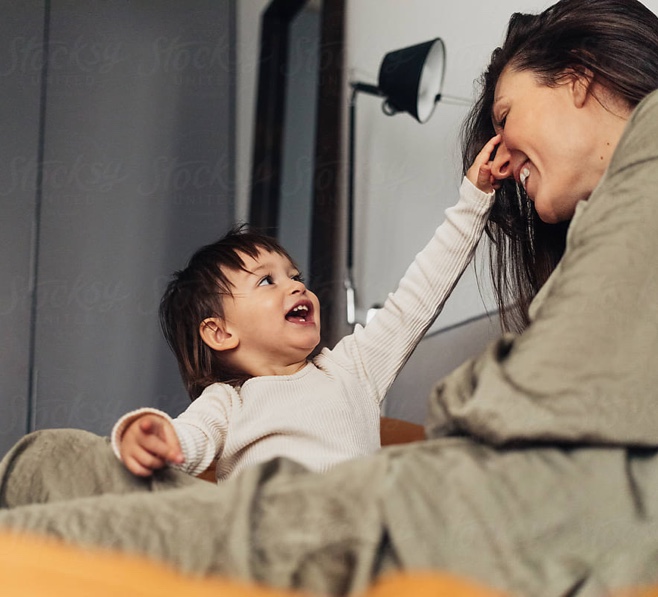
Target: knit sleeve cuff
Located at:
point(474, 195)
point(122, 424)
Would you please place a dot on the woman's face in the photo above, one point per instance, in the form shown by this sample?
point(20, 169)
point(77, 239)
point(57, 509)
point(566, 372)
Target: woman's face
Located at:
point(556, 141)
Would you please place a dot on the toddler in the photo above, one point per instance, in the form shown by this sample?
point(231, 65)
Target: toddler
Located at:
point(243, 326)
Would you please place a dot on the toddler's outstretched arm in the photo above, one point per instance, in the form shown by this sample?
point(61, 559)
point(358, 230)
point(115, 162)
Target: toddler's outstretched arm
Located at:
point(149, 443)
point(376, 353)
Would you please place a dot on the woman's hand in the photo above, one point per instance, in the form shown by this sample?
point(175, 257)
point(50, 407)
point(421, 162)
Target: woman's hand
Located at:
point(149, 443)
point(480, 171)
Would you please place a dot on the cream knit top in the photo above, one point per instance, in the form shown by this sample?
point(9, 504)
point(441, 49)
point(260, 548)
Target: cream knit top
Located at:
point(329, 411)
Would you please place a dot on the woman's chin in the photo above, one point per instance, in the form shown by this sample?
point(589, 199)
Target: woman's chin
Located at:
point(546, 211)
point(558, 208)
point(547, 218)
point(552, 217)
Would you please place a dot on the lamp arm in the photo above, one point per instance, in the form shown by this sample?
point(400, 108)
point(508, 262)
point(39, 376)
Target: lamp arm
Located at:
point(365, 88)
point(454, 100)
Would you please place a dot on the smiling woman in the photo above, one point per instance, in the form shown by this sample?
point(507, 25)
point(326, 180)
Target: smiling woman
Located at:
point(557, 140)
point(560, 89)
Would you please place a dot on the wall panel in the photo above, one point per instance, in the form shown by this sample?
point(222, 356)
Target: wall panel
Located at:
point(137, 172)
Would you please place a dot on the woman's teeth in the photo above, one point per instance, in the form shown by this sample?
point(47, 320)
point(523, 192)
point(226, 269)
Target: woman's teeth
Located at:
point(524, 176)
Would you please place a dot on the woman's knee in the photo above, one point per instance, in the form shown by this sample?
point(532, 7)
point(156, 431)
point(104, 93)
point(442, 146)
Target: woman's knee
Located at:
point(51, 464)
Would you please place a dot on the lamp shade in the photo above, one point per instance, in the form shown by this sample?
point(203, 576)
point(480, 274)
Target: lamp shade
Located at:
point(411, 78)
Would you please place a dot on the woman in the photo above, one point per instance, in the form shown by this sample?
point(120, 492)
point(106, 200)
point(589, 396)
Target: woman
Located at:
point(540, 473)
point(606, 52)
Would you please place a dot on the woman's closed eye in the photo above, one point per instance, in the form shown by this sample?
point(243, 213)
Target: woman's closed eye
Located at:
point(499, 124)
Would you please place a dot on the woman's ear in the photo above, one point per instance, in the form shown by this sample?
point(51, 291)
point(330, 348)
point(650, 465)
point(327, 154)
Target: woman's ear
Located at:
point(581, 86)
point(216, 335)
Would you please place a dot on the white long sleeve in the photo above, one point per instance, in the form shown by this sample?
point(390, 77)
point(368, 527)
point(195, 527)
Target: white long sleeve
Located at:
point(376, 353)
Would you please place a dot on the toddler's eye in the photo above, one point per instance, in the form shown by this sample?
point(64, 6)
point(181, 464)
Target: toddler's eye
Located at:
point(266, 281)
point(298, 277)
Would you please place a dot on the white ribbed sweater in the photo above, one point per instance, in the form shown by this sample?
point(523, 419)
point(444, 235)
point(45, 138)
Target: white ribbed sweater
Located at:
point(329, 411)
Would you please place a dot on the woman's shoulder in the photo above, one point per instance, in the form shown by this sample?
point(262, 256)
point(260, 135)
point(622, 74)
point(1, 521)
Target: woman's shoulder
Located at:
point(645, 113)
point(649, 102)
point(639, 142)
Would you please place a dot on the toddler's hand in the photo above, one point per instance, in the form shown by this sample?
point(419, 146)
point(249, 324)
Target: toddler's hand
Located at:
point(149, 443)
point(480, 171)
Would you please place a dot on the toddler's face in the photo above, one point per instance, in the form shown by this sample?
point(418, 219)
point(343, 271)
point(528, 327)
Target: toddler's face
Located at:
point(276, 318)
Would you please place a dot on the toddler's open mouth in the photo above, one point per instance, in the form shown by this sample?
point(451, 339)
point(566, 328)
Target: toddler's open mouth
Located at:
point(301, 313)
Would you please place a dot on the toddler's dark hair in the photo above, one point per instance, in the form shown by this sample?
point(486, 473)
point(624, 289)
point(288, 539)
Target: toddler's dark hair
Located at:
point(196, 293)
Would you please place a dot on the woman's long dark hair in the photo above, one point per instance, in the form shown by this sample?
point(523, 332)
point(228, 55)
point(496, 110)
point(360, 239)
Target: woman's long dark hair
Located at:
point(614, 40)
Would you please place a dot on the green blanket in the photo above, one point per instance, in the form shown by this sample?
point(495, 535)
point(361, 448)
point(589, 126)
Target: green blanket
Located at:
point(540, 476)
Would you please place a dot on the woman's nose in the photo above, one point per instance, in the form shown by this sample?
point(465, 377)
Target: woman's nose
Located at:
point(502, 163)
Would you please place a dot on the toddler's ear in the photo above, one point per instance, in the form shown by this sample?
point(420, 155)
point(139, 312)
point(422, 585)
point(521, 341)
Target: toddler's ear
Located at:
point(216, 335)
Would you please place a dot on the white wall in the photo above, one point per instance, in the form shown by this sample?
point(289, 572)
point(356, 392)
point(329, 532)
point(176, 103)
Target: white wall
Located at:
point(407, 174)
